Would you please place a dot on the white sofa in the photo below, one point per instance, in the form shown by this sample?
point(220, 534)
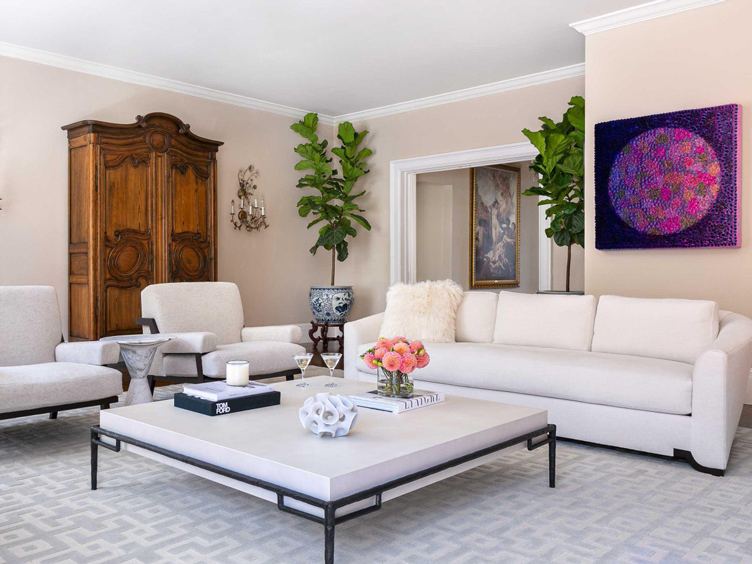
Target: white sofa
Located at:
point(206, 321)
point(660, 376)
point(38, 372)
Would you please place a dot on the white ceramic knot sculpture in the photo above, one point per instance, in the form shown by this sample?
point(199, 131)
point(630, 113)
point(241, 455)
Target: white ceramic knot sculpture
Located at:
point(327, 414)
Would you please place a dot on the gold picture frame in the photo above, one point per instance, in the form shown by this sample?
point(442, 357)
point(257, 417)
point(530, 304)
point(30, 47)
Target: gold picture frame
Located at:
point(494, 201)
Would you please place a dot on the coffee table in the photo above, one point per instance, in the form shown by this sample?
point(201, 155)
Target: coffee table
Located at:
point(267, 453)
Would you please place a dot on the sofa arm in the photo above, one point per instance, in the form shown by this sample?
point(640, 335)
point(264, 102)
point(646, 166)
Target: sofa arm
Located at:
point(97, 353)
point(196, 343)
point(283, 333)
point(719, 384)
point(365, 330)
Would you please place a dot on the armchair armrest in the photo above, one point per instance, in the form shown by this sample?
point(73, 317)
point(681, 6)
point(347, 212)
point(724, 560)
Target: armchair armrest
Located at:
point(365, 330)
point(97, 353)
point(719, 383)
point(283, 333)
point(192, 343)
point(149, 322)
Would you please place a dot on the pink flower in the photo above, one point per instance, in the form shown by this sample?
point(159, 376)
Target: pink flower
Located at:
point(401, 348)
point(666, 193)
point(368, 359)
point(399, 340)
point(423, 360)
point(379, 353)
point(415, 346)
point(409, 362)
point(384, 343)
point(391, 361)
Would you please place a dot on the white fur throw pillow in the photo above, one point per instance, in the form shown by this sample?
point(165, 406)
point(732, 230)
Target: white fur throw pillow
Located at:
point(425, 311)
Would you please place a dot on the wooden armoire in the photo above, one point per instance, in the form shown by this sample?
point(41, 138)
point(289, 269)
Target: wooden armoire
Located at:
point(142, 210)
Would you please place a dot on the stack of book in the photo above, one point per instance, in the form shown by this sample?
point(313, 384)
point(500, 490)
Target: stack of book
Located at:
point(217, 398)
point(372, 400)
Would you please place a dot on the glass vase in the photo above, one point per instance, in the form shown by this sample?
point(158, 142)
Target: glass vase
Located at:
point(394, 384)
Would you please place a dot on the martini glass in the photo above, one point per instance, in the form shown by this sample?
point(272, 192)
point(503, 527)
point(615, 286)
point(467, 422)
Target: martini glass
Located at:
point(331, 360)
point(303, 360)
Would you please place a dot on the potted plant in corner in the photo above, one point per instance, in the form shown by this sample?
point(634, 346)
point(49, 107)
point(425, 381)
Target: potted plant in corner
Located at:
point(334, 206)
point(560, 167)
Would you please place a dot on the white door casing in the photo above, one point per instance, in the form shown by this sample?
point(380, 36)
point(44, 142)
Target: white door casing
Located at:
point(402, 208)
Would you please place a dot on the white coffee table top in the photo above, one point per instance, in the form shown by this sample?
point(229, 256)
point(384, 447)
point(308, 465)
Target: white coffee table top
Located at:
point(271, 444)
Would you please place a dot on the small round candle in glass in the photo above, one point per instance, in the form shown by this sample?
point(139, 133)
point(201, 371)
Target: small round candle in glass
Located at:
point(237, 373)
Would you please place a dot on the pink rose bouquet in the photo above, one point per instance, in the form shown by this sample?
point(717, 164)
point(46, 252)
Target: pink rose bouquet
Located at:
point(394, 360)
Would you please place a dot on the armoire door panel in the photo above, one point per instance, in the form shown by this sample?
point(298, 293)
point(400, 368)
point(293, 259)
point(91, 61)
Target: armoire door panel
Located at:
point(117, 314)
point(128, 191)
point(190, 196)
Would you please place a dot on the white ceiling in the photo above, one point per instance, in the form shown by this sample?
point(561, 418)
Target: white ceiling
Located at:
point(329, 56)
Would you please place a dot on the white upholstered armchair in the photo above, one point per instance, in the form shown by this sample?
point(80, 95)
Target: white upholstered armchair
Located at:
point(38, 372)
point(206, 319)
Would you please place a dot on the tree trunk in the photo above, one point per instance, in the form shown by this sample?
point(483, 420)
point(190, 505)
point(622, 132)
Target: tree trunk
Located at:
point(334, 256)
point(569, 264)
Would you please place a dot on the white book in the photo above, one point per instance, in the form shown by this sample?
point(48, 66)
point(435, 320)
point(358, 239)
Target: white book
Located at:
point(372, 400)
point(220, 391)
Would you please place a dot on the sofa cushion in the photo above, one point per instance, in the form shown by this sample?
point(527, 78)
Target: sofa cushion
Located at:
point(476, 317)
point(657, 328)
point(55, 383)
point(426, 311)
point(607, 379)
point(265, 357)
point(30, 326)
point(541, 320)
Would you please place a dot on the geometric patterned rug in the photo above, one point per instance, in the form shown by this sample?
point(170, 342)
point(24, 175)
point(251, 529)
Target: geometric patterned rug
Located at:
point(608, 506)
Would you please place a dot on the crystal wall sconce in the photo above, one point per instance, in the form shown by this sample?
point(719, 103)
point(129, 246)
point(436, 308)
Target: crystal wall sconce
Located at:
point(251, 215)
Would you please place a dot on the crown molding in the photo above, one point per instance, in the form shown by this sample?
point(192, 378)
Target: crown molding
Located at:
point(133, 77)
point(640, 13)
point(468, 93)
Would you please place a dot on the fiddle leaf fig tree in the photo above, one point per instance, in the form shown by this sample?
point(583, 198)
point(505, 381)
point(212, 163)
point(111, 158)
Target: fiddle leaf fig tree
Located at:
point(334, 206)
point(560, 167)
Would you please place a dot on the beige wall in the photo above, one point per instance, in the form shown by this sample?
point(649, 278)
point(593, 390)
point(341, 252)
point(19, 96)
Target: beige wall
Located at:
point(273, 268)
point(434, 231)
point(459, 183)
point(688, 60)
point(480, 122)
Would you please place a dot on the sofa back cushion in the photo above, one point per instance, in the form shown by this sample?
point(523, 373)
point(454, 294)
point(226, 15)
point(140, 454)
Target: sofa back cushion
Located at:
point(426, 311)
point(30, 326)
point(657, 328)
point(544, 320)
point(185, 307)
point(476, 317)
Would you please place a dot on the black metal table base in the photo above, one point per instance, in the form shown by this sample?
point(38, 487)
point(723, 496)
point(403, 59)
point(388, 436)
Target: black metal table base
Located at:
point(329, 508)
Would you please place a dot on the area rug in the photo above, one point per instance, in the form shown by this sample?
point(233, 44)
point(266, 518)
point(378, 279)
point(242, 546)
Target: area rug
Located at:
point(608, 506)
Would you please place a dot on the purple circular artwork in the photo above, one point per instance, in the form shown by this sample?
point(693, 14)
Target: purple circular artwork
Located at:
point(664, 181)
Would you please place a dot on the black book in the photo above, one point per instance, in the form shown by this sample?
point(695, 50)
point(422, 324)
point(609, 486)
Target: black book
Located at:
point(212, 408)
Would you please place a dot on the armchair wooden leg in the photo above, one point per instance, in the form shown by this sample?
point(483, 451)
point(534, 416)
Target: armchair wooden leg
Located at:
point(199, 368)
point(53, 414)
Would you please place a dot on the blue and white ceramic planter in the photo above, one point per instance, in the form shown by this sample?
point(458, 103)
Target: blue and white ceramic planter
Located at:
point(331, 304)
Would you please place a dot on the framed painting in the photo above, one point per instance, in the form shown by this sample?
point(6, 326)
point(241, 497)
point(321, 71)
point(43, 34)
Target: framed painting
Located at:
point(669, 180)
point(494, 227)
